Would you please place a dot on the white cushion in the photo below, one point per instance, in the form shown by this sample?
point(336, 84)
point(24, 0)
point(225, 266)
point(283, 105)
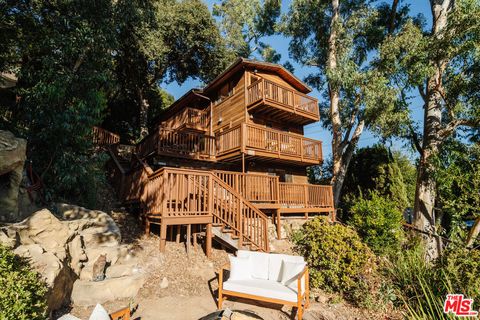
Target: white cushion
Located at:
point(240, 268)
point(290, 272)
point(259, 263)
point(99, 313)
point(262, 288)
point(275, 264)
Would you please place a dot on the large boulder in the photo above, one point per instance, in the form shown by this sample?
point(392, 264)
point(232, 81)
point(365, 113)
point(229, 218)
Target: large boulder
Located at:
point(12, 159)
point(64, 249)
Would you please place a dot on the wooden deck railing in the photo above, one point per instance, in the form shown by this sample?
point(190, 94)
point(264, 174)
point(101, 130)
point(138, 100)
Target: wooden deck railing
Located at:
point(298, 195)
point(269, 140)
point(104, 137)
point(270, 91)
point(197, 118)
point(181, 144)
point(254, 187)
point(184, 193)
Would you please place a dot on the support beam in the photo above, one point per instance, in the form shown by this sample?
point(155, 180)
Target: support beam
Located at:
point(208, 241)
point(179, 232)
point(163, 236)
point(279, 226)
point(189, 235)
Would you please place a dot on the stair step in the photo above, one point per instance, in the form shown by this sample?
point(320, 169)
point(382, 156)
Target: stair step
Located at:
point(227, 230)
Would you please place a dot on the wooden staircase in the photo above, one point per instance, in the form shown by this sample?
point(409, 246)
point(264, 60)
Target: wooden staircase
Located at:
point(172, 196)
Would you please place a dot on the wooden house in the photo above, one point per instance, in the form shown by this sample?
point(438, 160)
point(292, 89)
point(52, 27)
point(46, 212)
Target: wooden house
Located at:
point(225, 157)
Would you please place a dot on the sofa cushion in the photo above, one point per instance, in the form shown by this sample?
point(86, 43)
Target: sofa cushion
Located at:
point(290, 271)
point(240, 268)
point(259, 262)
point(275, 264)
point(262, 288)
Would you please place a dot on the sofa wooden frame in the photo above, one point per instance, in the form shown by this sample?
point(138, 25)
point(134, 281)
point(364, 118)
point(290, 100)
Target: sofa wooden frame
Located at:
point(303, 301)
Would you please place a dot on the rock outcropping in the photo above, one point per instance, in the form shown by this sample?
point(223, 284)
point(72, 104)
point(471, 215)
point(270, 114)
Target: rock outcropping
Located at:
point(63, 248)
point(12, 159)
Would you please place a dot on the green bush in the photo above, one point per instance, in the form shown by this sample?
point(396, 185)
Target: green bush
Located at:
point(461, 268)
point(338, 260)
point(378, 222)
point(22, 293)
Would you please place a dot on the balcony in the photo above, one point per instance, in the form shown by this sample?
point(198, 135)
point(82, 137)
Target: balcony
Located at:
point(189, 119)
point(258, 141)
point(189, 145)
point(285, 104)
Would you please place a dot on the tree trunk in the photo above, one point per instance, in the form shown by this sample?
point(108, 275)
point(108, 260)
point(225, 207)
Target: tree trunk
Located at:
point(143, 113)
point(473, 234)
point(334, 95)
point(424, 210)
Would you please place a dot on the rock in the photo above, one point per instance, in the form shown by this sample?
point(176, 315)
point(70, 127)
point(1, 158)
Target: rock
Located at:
point(164, 283)
point(57, 276)
point(98, 272)
point(66, 248)
point(121, 270)
point(12, 159)
point(9, 242)
point(44, 228)
point(88, 293)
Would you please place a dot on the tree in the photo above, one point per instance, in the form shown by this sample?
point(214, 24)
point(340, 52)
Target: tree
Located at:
point(443, 65)
point(62, 56)
point(245, 23)
point(376, 169)
point(163, 41)
point(339, 38)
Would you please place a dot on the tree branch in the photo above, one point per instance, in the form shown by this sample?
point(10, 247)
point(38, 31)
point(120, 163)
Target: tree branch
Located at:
point(414, 137)
point(454, 124)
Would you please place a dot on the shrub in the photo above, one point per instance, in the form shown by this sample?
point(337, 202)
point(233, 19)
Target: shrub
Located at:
point(22, 293)
point(378, 222)
point(338, 260)
point(461, 268)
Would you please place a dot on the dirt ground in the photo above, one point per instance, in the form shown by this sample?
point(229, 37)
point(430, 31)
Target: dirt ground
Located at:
point(192, 283)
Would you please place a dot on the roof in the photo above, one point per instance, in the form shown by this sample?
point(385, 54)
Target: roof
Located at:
point(242, 63)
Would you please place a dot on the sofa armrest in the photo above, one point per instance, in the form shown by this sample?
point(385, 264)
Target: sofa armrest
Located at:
point(301, 276)
point(220, 274)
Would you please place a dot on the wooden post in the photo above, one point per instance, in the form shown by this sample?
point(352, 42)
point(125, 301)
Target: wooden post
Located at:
point(147, 226)
point(243, 162)
point(240, 224)
point(189, 235)
point(163, 236)
point(208, 241)
point(279, 227)
point(179, 232)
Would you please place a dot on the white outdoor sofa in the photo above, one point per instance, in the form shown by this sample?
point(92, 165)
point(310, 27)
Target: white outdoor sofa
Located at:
point(276, 278)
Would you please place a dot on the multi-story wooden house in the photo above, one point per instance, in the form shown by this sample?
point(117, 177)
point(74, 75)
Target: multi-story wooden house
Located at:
point(225, 157)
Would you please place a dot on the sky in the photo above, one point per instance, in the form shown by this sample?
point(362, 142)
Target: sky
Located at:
point(315, 130)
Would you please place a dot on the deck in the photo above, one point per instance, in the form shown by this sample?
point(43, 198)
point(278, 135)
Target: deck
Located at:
point(285, 104)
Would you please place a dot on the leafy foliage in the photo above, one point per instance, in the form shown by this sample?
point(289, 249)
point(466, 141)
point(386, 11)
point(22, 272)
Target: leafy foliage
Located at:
point(63, 63)
point(458, 178)
point(246, 23)
point(378, 222)
point(377, 169)
point(23, 293)
point(160, 41)
point(337, 258)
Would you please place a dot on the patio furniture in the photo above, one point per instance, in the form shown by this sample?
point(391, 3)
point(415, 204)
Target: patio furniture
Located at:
point(276, 278)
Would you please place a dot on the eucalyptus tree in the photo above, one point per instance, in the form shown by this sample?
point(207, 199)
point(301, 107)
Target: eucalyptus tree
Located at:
point(245, 24)
point(443, 64)
point(339, 41)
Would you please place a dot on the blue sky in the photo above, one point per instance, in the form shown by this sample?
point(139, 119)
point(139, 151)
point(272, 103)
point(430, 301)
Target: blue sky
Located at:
point(315, 130)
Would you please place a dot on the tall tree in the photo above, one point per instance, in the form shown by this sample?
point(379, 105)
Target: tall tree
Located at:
point(61, 53)
point(162, 41)
point(245, 24)
point(443, 64)
point(339, 38)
